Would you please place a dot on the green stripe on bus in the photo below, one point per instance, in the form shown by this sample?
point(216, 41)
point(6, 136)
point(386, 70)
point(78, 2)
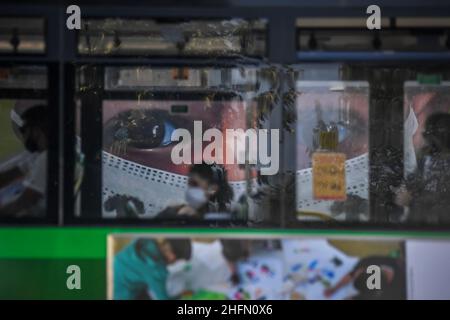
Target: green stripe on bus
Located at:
point(90, 242)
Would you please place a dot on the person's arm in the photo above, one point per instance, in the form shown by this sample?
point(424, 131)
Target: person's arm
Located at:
point(348, 278)
point(403, 197)
point(411, 188)
point(188, 211)
point(18, 207)
point(170, 212)
point(156, 281)
point(35, 189)
point(123, 288)
point(8, 176)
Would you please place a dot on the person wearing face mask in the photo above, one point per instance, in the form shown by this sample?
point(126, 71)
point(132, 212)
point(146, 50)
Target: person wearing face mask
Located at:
point(426, 191)
point(31, 201)
point(141, 268)
point(208, 191)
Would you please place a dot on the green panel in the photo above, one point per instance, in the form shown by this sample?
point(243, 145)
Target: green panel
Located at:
point(46, 279)
point(90, 243)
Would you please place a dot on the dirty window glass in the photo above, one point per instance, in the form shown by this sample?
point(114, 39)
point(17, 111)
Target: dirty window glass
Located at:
point(173, 38)
point(21, 35)
point(24, 142)
point(140, 108)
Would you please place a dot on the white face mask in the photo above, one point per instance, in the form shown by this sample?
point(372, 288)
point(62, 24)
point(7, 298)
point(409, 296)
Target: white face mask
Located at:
point(178, 277)
point(195, 197)
point(206, 268)
point(410, 128)
point(157, 189)
point(357, 182)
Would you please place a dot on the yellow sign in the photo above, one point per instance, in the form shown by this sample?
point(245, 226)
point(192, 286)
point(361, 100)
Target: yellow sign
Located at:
point(328, 169)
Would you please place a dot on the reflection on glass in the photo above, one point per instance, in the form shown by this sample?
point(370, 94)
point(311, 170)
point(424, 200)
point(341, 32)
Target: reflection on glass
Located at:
point(425, 194)
point(23, 158)
point(23, 77)
point(137, 149)
point(168, 38)
point(182, 38)
point(143, 106)
point(332, 150)
point(22, 35)
point(24, 142)
point(351, 35)
point(183, 78)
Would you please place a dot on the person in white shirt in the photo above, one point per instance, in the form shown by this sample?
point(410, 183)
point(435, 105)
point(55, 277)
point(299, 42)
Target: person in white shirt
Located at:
point(31, 202)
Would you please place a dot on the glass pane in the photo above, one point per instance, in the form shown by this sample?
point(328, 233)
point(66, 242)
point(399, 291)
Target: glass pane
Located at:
point(22, 35)
point(148, 171)
point(23, 77)
point(173, 38)
point(351, 34)
point(367, 40)
point(426, 152)
point(24, 143)
point(138, 164)
point(332, 121)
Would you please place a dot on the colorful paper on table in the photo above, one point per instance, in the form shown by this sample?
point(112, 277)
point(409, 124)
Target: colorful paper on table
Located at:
point(328, 170)
point(252, 292)
point(261, 276)
point(314, 265)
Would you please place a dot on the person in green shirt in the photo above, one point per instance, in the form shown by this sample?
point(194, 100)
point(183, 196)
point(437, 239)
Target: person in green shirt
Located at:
point(140, 269)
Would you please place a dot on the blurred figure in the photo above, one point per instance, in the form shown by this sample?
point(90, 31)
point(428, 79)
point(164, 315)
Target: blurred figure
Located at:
point(392, 280)
point(141, 268)
point(233, 252)
point(208, 191)
point(125, 206)
point(31, 202)
point(427, 190)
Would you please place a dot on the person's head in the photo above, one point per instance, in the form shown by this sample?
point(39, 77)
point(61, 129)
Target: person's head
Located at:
point(234, 251)
point(175, 249)
point(437, 131)
point(208, 183)
point(34, 128)
point(387, 276)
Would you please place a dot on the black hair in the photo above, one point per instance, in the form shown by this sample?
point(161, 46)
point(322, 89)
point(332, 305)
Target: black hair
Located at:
point(437, 126)
point(182, 248)
point(364, 293)
point(234, 250)
point(35, 117)
point(215, 174)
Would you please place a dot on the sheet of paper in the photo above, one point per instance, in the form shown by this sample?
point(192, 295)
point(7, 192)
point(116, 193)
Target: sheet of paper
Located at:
point(314, 265)
point(329, 176)
point(428, 262)
point(261, 277)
